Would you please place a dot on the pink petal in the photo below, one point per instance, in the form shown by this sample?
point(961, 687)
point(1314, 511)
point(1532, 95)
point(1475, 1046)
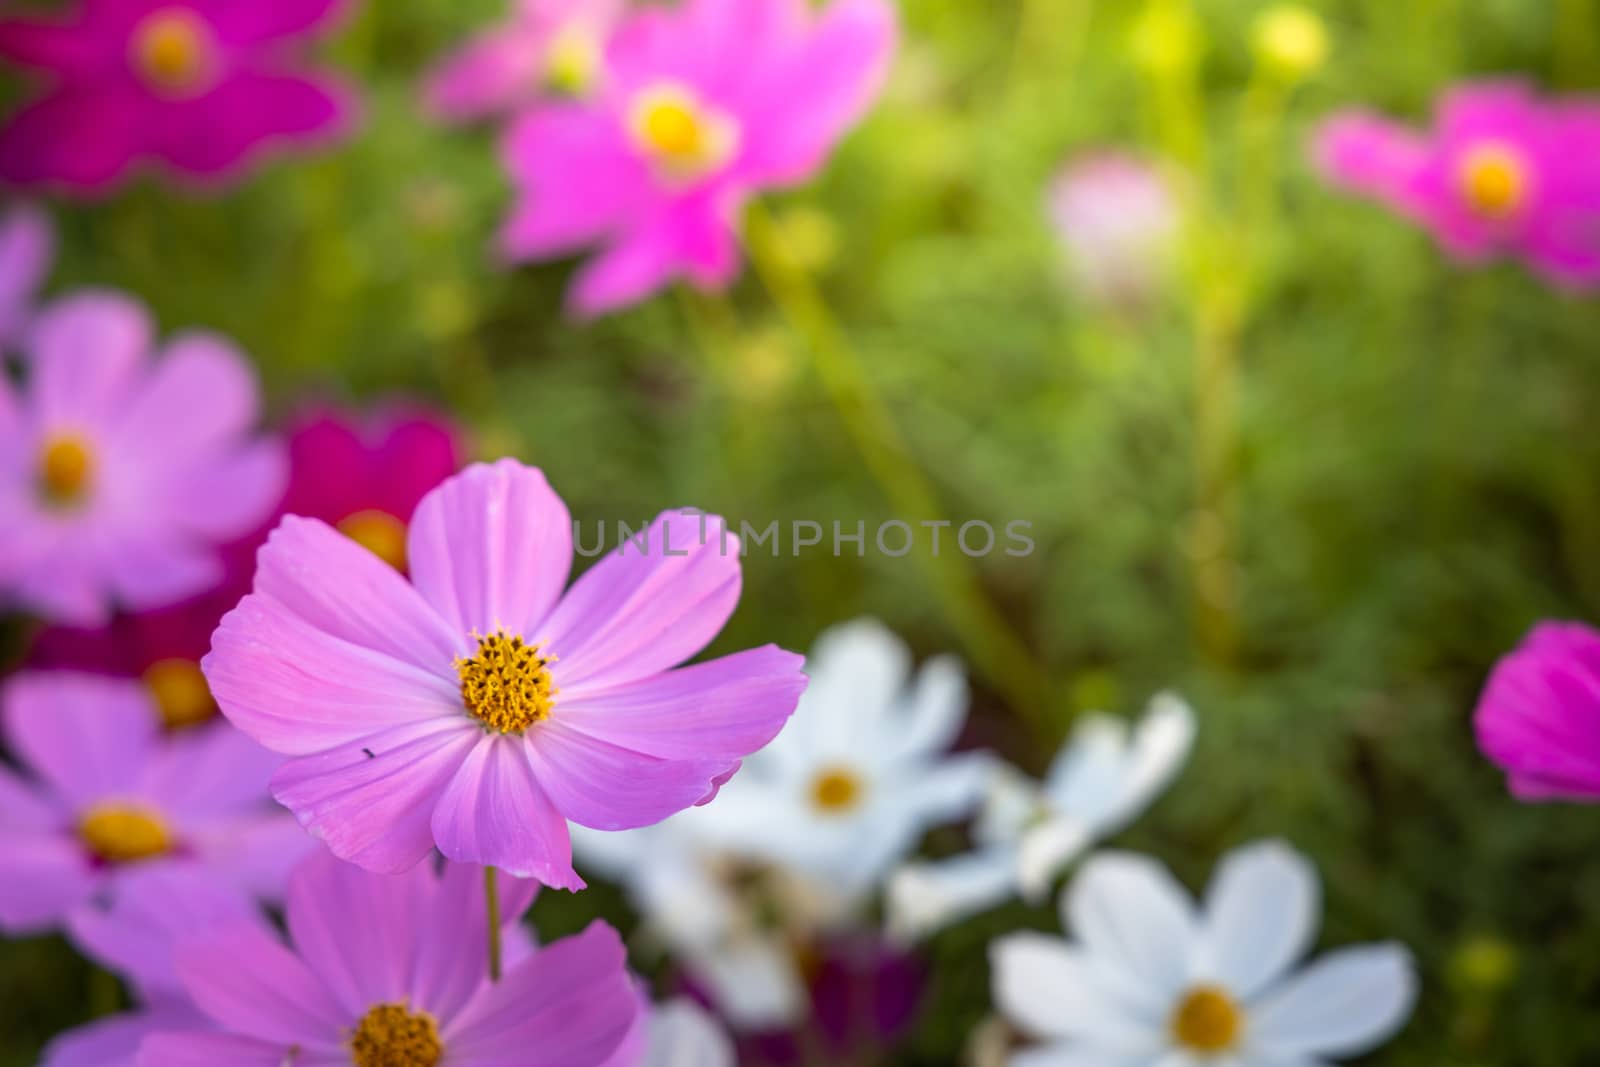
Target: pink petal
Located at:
point(606, 787)
point(155, 570)
point(452, 965)
point(201, 395)
point(45, 879)
point(491, 548)
point(214, 770)
point(254, 23)
point(27, 247)
point(490, 74)
point(64, 49)
point(231, 496)
point(114, 1041)
point(370, 800)
point(87, 736)
point(1369, 154)
point(256, 852)
point(248, 982)
point(649, 605)
point(210, 1050)
point(633, 268)
point(22, 807)
point(579, 178)
point(214, 135)
point(89, 350)
point(494, 814)
point(83, 139)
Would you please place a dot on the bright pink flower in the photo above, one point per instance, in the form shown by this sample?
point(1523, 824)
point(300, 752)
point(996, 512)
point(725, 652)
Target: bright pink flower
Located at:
point(1501, 173)
point(547, 47)
point(200, 85)
point(105, 796)
point(1539, 716)
point(394, 970)
point(119, 474)
point(478, 708)
point(702, 107)
point(1119, 221)
point(27, 248)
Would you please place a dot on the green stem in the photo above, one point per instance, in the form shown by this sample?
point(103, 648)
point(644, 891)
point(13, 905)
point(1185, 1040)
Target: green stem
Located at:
point(492, 897)
point(997, 650)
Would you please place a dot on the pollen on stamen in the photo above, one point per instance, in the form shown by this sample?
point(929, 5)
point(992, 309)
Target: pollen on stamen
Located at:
point(836, 790)
point(392, 1035)
point(66, 470)
point(506, 684)
point(117, 833)
point(174, 52)
point(1208, 1020)
point(1494, 180)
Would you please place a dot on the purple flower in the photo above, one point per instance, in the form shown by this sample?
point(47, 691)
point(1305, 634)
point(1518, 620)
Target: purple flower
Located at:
point(1539, 716)
point(105, 797)
point(27, 247)
point(476, 707)
point(547, 47)
point(701, 107)
point(1502, 173)
point(1119, 221)
point(200, 85)
point(118, 474)
point(393, 969)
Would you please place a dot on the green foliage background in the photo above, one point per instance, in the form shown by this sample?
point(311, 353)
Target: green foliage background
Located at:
point(1410, 477)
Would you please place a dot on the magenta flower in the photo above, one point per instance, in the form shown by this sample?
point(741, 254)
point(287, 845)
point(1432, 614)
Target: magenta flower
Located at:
point(1539, 716)
point(1502, 173)
point(118, 474)
point(547, 47)
point(105, 796)
point(27, 248)
point(1119, 221)
point(702, 107)
point(392, 970)
point(200, 85)
point(476, 707)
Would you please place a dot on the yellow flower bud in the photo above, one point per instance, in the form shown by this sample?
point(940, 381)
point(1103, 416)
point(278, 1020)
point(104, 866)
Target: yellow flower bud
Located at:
point(1292, 40)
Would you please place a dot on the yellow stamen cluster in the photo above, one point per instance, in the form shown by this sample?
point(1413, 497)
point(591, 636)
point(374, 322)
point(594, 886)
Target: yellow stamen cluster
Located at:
point(182, 696)
point(66, 470)
point(1208, 1020)
point(506, 685)
point(174, 51)
point(124, 833)
point(1493, 180)
point(391, 1035)
point(379, 533)
point(684, 138)
point(836, 790)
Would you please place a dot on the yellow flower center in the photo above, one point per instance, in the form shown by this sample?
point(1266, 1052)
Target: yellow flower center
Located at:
point(391, 1035)
point(182, 695)
point(572, 62)
point(379, 533)
point(174, 52)
point(1494, 180)
point(506, 685)
point(683, 137)
point(124, 833)
point(1208, 1020)
point(66, 468)
point(836, 790)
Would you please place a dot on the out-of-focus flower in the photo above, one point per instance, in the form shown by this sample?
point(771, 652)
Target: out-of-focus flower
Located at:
point(1099, 783)
point(199, 85)
point(118, 474)
point(863, 770)
point(546, 48)
point(388, 970)
point(108, 797)
point(1168, 38)
point(27, 248)
point(1150, 980)
point(113, 1041)
point(682, 1034)
point(1119, 222)
point(1291, 40)
point(1539, 716)
point(703, 106)
point(476, 707)
point(1502, 173)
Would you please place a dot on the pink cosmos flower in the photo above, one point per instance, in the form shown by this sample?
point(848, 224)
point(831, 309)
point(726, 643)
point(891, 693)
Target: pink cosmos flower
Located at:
point(27, 247)
point(1118, 220)
point(200, 85)
point(119, 474)
point(1502, 173)
point(105, 796)
point(702, 107)
point(393, 969)
point(1539, 716)
point(477, 708)
point(547, 47)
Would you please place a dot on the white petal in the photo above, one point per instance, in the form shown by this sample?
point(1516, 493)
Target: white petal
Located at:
point(1046, 850)
point(925, 897)
point(1086, 776)
point(1074, 1055)
point(1344, 1004)
point(857, 670)
point(1012, 801)
point(1160, 747)
point(1262, 913)
point(1051, 990)
point(754, 984)
point(682, 1034)
point(1137, 921)
point(934, 711)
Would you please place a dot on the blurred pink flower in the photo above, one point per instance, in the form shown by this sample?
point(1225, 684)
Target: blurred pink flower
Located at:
point(1118, 220)
point(201, 85)
point(702, 107)
point(394, 970)
point(27, 247)
point(1502, 173)
point(104, 796)
point(1539, 716)
point(547, 47)
point(477, 707)
point(120, 475)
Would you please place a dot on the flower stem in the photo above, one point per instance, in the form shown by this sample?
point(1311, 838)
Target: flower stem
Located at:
point(996, 649)
point(492, 897)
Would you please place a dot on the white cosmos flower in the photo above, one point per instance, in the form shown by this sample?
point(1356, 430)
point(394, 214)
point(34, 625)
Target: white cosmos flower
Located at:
point(863, 768)
point(682, 1034)
point(1105, 776)
point(1151, 981)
